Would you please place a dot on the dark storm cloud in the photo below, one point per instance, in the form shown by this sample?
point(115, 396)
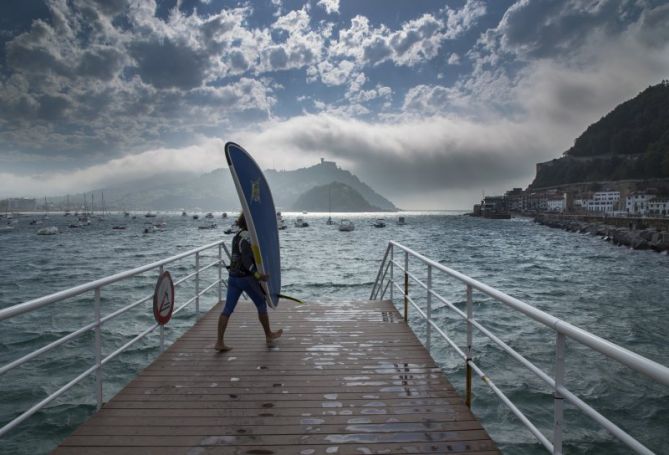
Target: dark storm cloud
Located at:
point(548, 28)
point(165, 64)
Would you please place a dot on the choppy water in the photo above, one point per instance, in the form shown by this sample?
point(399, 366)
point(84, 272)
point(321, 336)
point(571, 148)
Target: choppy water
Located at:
point(616, 293)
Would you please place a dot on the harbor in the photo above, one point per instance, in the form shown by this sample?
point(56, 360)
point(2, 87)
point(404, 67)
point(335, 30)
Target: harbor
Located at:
point(320, 283)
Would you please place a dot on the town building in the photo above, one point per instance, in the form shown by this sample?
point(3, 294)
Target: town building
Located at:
point(598, 201)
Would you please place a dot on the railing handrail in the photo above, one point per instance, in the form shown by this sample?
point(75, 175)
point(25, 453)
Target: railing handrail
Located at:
point(30, 305)
point(96, 286)
point(563, 330)
point(631, 359)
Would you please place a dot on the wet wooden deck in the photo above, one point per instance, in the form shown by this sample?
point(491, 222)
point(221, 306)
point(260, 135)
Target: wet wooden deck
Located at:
point(345, 378)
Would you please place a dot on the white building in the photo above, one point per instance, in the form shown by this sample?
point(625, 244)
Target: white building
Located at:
point(600, 201)
point(637, 203)
point(556, 203)
point(658, 206)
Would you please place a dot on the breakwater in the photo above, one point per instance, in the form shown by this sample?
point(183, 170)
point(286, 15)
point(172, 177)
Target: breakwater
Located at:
point(636, 233)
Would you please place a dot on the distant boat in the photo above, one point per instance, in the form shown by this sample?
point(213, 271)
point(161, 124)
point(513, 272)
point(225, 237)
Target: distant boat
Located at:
point(300, 223)
point(126, 214)
point(120, 227)
point(232, 229)
point(51, 230)
point(379, 223)
point(149, 229)
point(207, 226)
point(346, 225)
point(280, 223)
point(183, 213)
point(224, 215)
point(209, 216)
point(330, 221)
point(196, 217)
point(401, 221)
point(150, 215)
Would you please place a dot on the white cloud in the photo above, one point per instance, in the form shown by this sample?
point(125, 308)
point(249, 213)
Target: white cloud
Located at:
point(330, 6)
point(454, 59)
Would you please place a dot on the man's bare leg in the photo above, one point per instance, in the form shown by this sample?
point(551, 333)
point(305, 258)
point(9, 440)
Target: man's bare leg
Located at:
point(269, 335)
point(222, 325)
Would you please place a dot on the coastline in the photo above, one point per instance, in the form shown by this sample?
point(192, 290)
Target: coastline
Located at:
point(635, 233)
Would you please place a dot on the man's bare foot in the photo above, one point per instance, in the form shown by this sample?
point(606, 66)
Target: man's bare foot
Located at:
point(220, 347)
point(273, 336)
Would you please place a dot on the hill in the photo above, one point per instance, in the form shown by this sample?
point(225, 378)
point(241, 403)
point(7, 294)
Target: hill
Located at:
point(215, 190)
point(335, 197)
point(630, 142)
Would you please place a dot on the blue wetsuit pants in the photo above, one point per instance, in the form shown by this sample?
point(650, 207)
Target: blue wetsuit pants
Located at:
point(248, 284)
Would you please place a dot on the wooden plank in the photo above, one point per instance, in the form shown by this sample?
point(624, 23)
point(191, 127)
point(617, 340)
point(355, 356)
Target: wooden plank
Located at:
point(346, 377)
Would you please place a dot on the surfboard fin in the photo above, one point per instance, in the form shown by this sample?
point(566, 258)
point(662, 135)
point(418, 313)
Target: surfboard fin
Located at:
point(287, 297)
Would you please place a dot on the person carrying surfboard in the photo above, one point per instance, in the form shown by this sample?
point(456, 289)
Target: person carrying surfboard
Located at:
point(244, 277)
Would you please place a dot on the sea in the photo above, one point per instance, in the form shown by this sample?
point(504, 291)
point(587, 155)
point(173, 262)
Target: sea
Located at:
point(614, 292)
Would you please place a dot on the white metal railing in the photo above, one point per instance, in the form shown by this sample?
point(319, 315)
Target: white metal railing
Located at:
point(563, 330)
point(96, 287)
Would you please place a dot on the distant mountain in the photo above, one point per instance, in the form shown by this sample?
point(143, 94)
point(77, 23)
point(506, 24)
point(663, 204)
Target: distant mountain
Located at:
point(215, 190)
point(336, 196)
point(630, 142)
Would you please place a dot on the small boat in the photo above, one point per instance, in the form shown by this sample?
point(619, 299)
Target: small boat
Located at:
point(51, 230)
point(379, 223)
point(126, 214)
point(149, 229)
point(120, 227)
point(280, 223)
point(34, 222)
point(224, 215)
point(401, 221)
point(149, 215)
point(330, 221)
point(196, 217)
point(183, 213)
point(160, 225)
point(232, 229)
point(207, 226)
point(209, 216)
point(346, 225)
point(300, 223)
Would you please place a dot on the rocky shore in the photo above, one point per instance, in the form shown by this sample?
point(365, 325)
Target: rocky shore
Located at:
point(638, 239)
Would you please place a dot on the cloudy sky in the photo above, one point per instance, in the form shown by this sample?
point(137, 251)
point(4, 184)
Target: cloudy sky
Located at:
point(430, 102)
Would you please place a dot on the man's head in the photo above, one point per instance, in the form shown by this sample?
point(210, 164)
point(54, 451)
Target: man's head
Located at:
point(241, 221)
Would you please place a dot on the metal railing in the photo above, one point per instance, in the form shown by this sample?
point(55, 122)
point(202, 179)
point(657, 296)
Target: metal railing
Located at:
point(563, 331)
point(96, 287)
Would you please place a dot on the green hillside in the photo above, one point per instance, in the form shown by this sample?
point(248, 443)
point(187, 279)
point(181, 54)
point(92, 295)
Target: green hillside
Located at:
point(630, 142)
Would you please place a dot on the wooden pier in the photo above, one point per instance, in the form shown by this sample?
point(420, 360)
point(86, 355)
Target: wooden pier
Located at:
point(347, 377)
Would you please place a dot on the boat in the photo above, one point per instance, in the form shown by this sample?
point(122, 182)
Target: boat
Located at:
point(232, 229)
point(160, 225)
point(183, 213)
point(209, 216)
point(224, 215)
point(300, 223)
point(379, 223)
point(149, 215)
point(149, 229)
point(120, 227)
point(207, 226)
point(126, 214)
point(401, 221)
point(280, 223)
point(346, 225)
point(329, 222)
point(50, 230)
point(196, 217)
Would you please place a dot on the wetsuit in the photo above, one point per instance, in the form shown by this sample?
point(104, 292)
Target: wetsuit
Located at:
point(243, 276)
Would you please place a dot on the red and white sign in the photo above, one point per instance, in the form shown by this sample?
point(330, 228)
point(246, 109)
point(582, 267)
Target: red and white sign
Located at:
point(163, 298)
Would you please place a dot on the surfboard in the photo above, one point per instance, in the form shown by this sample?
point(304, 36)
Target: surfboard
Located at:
point(257, 204)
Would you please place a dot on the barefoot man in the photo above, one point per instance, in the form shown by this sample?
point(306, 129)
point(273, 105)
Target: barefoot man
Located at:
point(244, 277)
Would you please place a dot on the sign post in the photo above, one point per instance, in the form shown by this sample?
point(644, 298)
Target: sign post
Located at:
point(163, 303)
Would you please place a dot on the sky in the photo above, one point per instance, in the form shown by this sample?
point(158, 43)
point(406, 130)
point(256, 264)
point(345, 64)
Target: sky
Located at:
point(432, 103)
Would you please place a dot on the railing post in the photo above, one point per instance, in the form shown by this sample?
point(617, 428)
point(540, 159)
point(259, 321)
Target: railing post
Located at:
point(197, 283)
point(392, 273)
point(428, 341)
point(468, 393)
point(162, 326)
point(220, 272)
point(558, 400)
point(406, 286)
point(98, 351)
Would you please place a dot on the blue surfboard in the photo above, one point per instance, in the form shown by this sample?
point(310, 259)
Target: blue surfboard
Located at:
point(258, 208)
